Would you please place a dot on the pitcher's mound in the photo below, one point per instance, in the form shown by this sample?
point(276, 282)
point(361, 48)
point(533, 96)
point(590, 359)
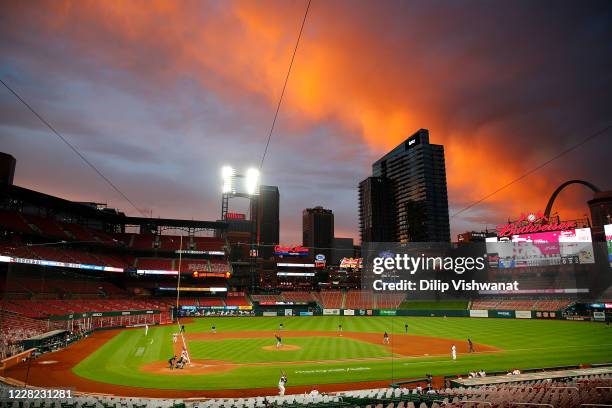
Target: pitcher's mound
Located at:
point(285, 347)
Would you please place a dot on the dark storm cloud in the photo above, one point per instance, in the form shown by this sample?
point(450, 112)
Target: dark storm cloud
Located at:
point(161, 97)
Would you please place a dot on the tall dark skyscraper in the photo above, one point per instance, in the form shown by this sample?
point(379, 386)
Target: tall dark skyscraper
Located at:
point(376, 210)
point(412, 177)
point(318, 230)
point(266, 207)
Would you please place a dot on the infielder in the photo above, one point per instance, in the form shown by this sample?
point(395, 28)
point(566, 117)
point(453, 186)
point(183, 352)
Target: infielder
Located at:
point(386, 338)
point(174, 337)
point(454, 352)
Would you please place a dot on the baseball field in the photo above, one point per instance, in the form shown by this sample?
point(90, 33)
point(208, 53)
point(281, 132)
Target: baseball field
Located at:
point(242, 354)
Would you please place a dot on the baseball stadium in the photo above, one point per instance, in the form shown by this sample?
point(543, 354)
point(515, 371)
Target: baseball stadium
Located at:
point(444, 237)
point(181, 312)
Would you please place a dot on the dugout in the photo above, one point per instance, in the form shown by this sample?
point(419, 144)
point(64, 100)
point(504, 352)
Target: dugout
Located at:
point(46, 341)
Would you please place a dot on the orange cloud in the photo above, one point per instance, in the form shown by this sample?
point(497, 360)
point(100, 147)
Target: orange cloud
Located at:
point(373, 76)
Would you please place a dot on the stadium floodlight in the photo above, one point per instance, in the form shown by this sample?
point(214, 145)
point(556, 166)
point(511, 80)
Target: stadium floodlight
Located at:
point(252, 180)
point(227, 174)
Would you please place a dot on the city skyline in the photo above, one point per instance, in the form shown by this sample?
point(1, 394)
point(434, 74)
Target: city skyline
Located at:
point(160, 114)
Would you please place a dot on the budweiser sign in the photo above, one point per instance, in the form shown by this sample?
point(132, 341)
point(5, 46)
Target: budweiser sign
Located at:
point(532, 223)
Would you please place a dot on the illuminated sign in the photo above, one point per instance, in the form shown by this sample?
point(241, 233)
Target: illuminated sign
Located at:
point(299, 250)
point(414, 140)
point(225, 275)
point(235, 216)
point(567, 247)
point(608, 233)
point(319, 261)
point(194, 289)
point(295, 274)
point(350, 263)
point(195, 252)
point(296, 265)
point(155, 272)
point(532, 223)
point(43, 262)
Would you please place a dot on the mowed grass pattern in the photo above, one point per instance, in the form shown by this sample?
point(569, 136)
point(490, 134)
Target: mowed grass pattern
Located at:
point(311, 349)
point(525, 344)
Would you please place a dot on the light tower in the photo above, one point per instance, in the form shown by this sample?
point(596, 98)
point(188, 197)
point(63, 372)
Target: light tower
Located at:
point(231, 187)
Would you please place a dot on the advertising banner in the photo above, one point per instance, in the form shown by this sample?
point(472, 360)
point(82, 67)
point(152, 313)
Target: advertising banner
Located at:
point(306, 314)
point(288, 312)
point(331, 312)
point(349, 312)
point(608, 233)
point(479, 313)
point(269, 314)
point(523, 314)
point(508, 314)
point(387, 312)
point(599, 316)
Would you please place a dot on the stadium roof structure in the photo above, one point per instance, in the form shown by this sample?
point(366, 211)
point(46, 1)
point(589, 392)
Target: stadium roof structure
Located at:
point(90, 210)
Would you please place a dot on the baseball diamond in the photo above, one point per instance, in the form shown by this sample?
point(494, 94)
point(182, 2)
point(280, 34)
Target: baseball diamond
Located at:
point(238, 359)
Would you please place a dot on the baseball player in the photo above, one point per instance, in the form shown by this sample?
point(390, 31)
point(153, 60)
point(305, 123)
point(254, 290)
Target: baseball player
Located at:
point(454, 352)
point(146, 329)
point(386, 338)
point(340, 330)
point(213, 329)
point(406, 327)
point(279, 341)
point(185, 355)
point(174, 337)
point(470, 346)
point(281, 327)
point(281, 384)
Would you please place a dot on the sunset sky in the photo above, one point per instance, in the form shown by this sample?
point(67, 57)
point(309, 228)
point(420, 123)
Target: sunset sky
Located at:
point(160, 94)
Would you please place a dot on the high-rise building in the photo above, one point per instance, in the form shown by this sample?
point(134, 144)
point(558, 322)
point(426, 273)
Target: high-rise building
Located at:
point(318, 230)
point(7, 168)
point(265, 207)
point(412, 177)
point(376, 210)
point(343, 248)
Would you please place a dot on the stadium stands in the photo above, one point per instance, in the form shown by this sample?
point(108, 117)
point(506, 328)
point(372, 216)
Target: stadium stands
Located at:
point(46, 226)
point(582, 391)
point(14, 221)
point(512, 304)
point(267, 298)
point(331, 299)
point(237, 301)
point(298, 296)
point(357, 299)
point(162, 264)
point(14, 328)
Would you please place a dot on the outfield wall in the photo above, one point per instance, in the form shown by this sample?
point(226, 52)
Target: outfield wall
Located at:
point(499, 314)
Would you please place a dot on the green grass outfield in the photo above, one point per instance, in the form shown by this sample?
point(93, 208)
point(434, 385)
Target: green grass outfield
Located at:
point(525, 344)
